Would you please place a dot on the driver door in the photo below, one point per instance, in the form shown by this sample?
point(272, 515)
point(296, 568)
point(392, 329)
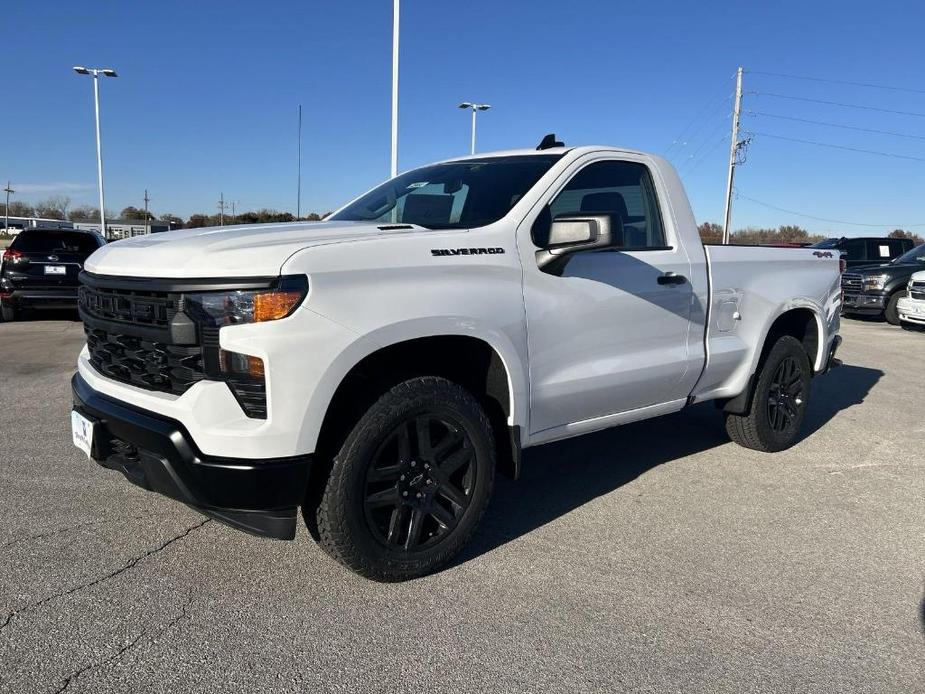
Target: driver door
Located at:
point(607, 333)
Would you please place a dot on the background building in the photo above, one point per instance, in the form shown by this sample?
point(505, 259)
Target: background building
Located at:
point(124, 228)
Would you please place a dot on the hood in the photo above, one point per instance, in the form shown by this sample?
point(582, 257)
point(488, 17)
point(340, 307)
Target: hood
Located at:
point(250, 250)
point(885, 268)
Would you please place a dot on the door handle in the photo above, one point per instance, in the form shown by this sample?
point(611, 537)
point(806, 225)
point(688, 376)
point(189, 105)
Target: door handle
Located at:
point(671, 278)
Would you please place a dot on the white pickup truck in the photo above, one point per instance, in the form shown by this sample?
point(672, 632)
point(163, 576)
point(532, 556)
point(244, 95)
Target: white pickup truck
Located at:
point(376, 368)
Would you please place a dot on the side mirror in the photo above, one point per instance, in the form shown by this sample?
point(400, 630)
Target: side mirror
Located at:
point(579, 232)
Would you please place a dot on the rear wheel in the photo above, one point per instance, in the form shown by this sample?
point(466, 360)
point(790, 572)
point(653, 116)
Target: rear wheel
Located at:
point(778, 404)
point(410, 483)
point(891, 313)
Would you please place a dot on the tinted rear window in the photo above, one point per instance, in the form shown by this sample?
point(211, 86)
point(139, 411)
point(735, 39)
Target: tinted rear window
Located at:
point(54, 242)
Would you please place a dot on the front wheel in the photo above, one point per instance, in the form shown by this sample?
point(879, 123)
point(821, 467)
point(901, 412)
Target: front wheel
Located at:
point(779, 402)
point(410, 483)
point(8, 313)
point(891, 313)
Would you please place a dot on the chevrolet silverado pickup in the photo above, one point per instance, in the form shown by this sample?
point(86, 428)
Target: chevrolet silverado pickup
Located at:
point(375, 369)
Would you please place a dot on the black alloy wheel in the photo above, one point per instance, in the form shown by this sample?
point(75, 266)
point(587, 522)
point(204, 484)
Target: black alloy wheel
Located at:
point(779, 399)
point(419, 484)
point(785, 395)
point(410, 482)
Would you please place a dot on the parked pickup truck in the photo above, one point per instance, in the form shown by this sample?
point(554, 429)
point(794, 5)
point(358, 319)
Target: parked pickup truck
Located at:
point(911, 308)
point(375, 369)
point(876, 290)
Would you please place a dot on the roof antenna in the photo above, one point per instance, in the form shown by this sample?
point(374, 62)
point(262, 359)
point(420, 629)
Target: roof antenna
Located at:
point(550, 141)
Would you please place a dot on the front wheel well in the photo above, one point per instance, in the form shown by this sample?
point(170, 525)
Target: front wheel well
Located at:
point(468, 361)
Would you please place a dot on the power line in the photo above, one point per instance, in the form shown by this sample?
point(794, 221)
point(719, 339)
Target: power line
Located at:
point(838, 103)
point(846, 82)
point(836, 125)
point(704, 126)
point(822, 219)
point(850, 149)
point(705, 155)
point(710, 106)
point(696, 153)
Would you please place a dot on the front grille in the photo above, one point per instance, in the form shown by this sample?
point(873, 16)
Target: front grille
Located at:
point(917, 291)
point(141, 335)
point(150, 309)
point(144, 363)
point(851, 283)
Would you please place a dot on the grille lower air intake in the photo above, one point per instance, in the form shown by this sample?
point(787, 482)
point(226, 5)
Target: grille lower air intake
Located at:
point(143, 363)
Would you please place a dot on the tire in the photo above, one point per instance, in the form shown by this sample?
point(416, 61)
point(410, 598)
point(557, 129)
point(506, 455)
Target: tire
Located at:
point(410, 483)
point(8, 313)
point(778, 405)
point(891, 313)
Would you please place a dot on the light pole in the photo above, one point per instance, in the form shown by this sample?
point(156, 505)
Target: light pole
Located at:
point(147, 223)
point(96, 72)
point(475, 109)
point(395, 18)
point(7, 190)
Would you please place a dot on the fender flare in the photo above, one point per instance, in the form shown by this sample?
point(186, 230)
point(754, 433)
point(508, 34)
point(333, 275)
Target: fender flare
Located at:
point(406, 331)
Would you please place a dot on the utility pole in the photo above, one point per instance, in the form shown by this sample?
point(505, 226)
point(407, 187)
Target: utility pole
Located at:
point(734, 145)
point(221, 210)
point(234, 217)
point(147, 224)
point(298, 199)
point(7, 190)
point(395, 17)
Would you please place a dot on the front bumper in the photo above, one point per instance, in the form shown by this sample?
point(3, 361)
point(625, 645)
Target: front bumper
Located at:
point(157, 453)
point(863, 303)
point(911, 310)
point(40, 297)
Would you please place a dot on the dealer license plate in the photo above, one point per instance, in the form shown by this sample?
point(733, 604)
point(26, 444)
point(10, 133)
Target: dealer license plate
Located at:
point(82, 432)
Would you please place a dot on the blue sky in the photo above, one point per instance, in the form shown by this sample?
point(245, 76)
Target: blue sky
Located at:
point(207, 97)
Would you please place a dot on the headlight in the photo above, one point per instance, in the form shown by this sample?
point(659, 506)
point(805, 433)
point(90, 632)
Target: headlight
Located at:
point(236, 307)
point(876, 282)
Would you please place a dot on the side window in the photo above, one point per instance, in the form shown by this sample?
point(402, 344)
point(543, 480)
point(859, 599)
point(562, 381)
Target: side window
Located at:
point(621, 189)
point(882, 249)
point(854, 249)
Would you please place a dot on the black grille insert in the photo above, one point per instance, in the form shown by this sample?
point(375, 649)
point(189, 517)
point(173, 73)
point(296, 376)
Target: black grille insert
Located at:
point(144, 363)
point(146, 308)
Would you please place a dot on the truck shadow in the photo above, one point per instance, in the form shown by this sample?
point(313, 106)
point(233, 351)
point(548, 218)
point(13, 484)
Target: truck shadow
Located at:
point(562, 476)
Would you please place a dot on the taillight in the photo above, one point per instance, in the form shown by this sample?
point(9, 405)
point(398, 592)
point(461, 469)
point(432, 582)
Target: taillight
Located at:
point(12, 256)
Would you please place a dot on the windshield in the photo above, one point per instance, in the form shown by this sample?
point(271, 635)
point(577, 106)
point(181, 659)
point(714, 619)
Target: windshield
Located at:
point(916, 255)
point(453, 195)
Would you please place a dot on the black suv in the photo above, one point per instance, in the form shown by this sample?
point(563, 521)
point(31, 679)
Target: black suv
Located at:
point(876, 289)
point(40, 268)
point(866, 249)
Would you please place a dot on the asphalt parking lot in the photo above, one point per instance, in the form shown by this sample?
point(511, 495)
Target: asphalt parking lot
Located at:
point(657, 557)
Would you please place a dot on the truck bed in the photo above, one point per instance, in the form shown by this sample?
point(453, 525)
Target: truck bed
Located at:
point(749, 287)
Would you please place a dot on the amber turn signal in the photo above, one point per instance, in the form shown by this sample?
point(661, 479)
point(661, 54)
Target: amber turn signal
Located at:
point(275, 305)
